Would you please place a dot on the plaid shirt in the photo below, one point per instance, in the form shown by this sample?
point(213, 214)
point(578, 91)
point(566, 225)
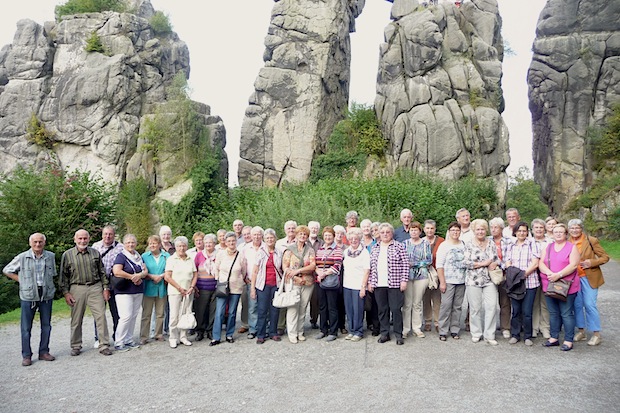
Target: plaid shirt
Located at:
point(502, 252)
point(109, 257)
point(521, 256)
point(397, 263)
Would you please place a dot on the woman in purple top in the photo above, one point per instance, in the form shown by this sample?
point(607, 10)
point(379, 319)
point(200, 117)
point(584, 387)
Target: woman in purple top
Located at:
point(204, 297)
point(129, 270)
point(560, 260)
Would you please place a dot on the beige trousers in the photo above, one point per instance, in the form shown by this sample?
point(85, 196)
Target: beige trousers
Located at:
point(412, 309)
point(296, 315)
point(90, 296)
point(147, 310)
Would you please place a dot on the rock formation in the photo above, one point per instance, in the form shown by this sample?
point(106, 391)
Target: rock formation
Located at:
point(439, 96)
point(574, 80)
point(302, 91)
point(93, 103)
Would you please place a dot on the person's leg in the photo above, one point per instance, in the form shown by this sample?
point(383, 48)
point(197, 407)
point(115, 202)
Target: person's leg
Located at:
point(419, 289)
point(28, 310)
point(160, 313)
point(515, 321)
point(96, 304)
point(314, 306)
point(545, 319)
point(340, 309)
point(188, 305)
point(436, 303)
point(79, 293)
point(407, 308)
point(282, 320)
point(304, 302)
point(567, 312)
point(274, 312)
point(136, 300)
point(211, 307)
point(457, 305)
point(201, 305)
point(124, 305)
point(220, 307)
point(528, 308)
point(233, 303)
point(292, 319)
point(348, 307)
point(145, 322)
point(174, 306)
point(323, 312)
point(374, 314)
point(536, 313)
point(427, 308)
point(262, 303)
point(395, 301)
point(333, 296)
point(474, 298)
point(590, 296)
point(445, 310)
point(358, 314)
point(252, 311)
point(45, 315)
point(504, 308)
point(554, 318)
point(383, 310)
point(244, 311)
point(490, 311)
point(580, 318)
point(114, 312)
point(167, 318)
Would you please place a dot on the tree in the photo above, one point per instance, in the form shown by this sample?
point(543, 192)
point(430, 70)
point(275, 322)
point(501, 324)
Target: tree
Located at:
point(524, 194)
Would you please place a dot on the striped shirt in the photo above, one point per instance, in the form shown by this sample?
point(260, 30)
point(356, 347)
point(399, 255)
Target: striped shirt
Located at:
point(81, 267)
point(397, 263)
point(329, 257)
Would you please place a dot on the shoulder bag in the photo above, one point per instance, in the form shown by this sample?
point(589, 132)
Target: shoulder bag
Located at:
point(187, 321)
point(286, 297)
point(497, 275)
point(433, 278)
point(557, 289)
point(330, 282)
point(222, 289)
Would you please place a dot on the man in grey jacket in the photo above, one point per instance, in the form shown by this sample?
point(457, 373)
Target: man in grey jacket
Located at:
point(35, 270)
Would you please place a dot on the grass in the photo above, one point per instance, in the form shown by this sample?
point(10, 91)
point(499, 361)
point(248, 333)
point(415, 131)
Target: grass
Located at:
point(60, 309)
point(612, 248)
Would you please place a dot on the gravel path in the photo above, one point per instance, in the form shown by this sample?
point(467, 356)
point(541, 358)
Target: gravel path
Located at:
point(424, 374)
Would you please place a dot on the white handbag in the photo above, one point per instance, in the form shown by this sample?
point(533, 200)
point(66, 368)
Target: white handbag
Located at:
point(187, 320)
point(286, 297)
point(433, 278)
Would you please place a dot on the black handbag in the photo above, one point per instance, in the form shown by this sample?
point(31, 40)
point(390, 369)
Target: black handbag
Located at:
point(119, 283)
point(222, 289)
point(330, 282)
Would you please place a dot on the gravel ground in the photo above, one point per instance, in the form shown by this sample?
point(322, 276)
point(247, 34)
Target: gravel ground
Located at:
point(424, 374)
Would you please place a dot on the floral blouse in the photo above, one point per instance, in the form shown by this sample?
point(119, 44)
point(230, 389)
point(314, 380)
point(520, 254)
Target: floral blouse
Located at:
point(420, 257)
point(478, 277)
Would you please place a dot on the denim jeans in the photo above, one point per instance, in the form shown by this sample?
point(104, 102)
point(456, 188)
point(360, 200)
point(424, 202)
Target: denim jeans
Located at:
point(220, 309)
point(354, 306)
point(522, 308)
point(562, 312)
point(252, 310)
point(266, 313)
point(29, 309)
point(586, 301)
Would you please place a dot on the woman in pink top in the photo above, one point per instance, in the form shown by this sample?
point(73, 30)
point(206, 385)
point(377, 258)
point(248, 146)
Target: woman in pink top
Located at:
point(560, 260)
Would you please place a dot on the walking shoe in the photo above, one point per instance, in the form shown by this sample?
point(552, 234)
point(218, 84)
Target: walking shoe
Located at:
point(580, 336)
point(173, 343)
point(251, 336)
point(383, 339)
point(475, 339)
point(356, 338)
point(96, 345)
point(260, 341)
point(280, 331)
point(513, 340)
point(491, 342)
point(132, 345)
point(242, 330)
point(529, 342)
point(344, 331)
point(319, 336)
point(506, 334)
point(349, 337)
point(400, 341)
point(301, 337)
point(292, 340)
point(200, 336)
point(314, 326)
point(230, 340)
point(546, 335)
point(76, 351)
point(276, 338)
point(143, 342)
point(551, 343)
point(27, 361)
point(566, 347)
point(214, 343)
point(105, 351)
point(123, 348)
point(427, 327)
point(46, 357)
point(186, 342)
point(594, 341)
point(330, 337)
point(419, 334)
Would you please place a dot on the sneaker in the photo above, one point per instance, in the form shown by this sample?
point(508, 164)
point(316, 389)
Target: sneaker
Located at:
point(330, 337)
point(251, 336)
point(491, 342)
point(122, 348)
point(132, 345)
point(186, 342)
point(506, 334)
point(173, 343)
point(320, 336)
point(349, 337)
point(301, 337)
point(96, 345)
point(475, 339)
point(529, 342)
point(595, 341)
point(276, 338)
point(513, 340)
point(580, 336)
point(356, 338)
point(292, 340)
point(76, 351)
point(419, 334)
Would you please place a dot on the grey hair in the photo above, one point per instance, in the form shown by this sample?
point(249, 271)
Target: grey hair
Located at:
point(127, 236)
point(512, 210)
point(575, 221)
point(181, 240)
point(164, 229)
point(480, 223)
point(339, 228)
point(290, 222)
point(497, 221)
point(366, 221)
point(230, 234)
point(270, 231)
point(211, 237)
point(430, 222)
point(36, 234)
point(258, 229)
point(538, 221)
point(355, 232)
point(386, 225)
point(314, 224)
point(352, 214)
point(461, 210)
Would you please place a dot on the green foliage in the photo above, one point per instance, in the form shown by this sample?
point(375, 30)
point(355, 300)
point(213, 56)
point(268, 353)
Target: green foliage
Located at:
point(524, 194)
point(605, 142)
point(93, 43)
point(89, 6)
point(475, 98)
point(38, 134)
point(59, 309)
point(613, 225)
point(600, 188)
point(133, 210)
point(160, 23)
point(612, 248)
point(353, 139)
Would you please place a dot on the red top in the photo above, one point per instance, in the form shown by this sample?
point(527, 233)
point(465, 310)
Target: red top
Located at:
point(270, 272)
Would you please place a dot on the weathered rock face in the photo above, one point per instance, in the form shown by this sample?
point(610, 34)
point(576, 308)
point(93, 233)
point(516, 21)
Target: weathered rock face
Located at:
point(302, 91)
point(574, 80)
point(439, 94)
point(92, 102)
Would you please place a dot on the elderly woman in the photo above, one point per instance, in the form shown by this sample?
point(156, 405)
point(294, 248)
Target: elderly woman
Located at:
point(432, 298)
point(165, 234)
point(550, 223)
point(181, 275)
point(592, 256)
point(560, 260)
point(221, 240)
point(298, 264)
point(328, 264)
point(341, 241)
point(204, 296)
point(389, 273)
point(502, 244)
point(199, 244)
point(451, 274)
point(154, 289)
point(129, 270)
point(420, 257)
point(480, 257)
point(540, 315)
point(230, 267)
point(523, 254)
point(266, 276)
point(355, 281)
point(374, 229)
point(372, 311)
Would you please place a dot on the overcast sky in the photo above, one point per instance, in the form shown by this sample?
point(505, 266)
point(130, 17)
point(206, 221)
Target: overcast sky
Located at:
point(225, 40)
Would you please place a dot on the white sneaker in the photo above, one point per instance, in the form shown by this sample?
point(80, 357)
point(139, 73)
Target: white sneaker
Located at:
point(475, 339)
point(186, 342)
point(356, 338)
point(96, 345)
point(301, 337)
point(529, 342)
point(506, 334)
point(349, 337)
point(492, 342)
point(173, 343)
point(513, 340)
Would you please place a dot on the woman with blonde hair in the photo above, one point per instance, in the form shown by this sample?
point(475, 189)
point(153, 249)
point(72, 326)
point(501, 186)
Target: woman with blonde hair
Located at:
point(154, 289)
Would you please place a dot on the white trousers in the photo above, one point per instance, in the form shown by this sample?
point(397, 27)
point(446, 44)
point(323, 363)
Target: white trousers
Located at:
point(129, 306)
point(479, 298)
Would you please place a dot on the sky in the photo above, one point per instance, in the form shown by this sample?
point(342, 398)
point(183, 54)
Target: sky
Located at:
point(225, 41)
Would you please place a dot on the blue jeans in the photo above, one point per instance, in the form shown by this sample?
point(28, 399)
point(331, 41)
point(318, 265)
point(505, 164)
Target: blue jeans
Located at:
point(220, 310)
point(586, 300)
point(354, 307)
point(252, 310)
point(266, 312)
point(562, 312)
point(29, 309)
point(525, 308)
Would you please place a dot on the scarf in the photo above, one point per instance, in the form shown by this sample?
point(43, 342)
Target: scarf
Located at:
point(135, 260)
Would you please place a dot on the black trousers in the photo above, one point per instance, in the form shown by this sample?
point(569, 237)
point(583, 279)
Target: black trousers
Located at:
point(372, 315)
point(328, 309)
point(390, 300)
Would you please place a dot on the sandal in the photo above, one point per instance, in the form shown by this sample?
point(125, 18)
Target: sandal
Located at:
point(455, 336)
point(442, 338)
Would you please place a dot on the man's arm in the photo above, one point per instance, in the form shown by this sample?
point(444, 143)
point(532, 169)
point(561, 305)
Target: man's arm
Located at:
point(11, 270)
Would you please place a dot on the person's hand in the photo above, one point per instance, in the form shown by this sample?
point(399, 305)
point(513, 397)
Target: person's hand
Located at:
point(70, 300)
point(156, 279)
point(403, 286)
point(586, 264)
point(362, 293)
point(106, 294)
point(196, 292)
point(253, 293)
point(442, 287)
point(371, 289)
point(136, 277)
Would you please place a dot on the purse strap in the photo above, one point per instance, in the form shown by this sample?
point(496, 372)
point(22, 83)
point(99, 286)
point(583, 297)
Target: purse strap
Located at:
point(231, 268)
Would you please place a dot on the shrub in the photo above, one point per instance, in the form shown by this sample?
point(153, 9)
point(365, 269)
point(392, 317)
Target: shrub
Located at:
point(524, 194)
point(605, 142)
point(160, 23)
point(38, 134)
point(133, 210)
point(89, 6)
point(93, 43)
point(613, 229)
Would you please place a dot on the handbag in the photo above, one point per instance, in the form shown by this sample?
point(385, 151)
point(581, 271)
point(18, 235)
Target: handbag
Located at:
point(283, 298)
point(330, 282)
point(119, 283)
point(222, 289)
point(187, 321)
point(557, 289)
point(497, 275)
point(433, 278)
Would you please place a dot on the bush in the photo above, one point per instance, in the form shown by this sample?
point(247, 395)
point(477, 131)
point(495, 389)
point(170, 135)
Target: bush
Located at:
point(605, 142)
point(89, 6)
point(613, 229)
point(38, 134)
point(524, 194)
point(133, 210)
point(160, 23)
point(93, 43)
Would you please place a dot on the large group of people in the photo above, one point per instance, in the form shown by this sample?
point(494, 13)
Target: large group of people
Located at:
point(528, 279)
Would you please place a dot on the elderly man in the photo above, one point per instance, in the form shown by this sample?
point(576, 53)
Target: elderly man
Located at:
point(238, 229)
point(35, 270)
point(463, 217)
point(512, 218)
point(315, 242)
point(249, 313)
point(401, 234)
point(109, 248)
point(246, 325)
point(83, 283)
